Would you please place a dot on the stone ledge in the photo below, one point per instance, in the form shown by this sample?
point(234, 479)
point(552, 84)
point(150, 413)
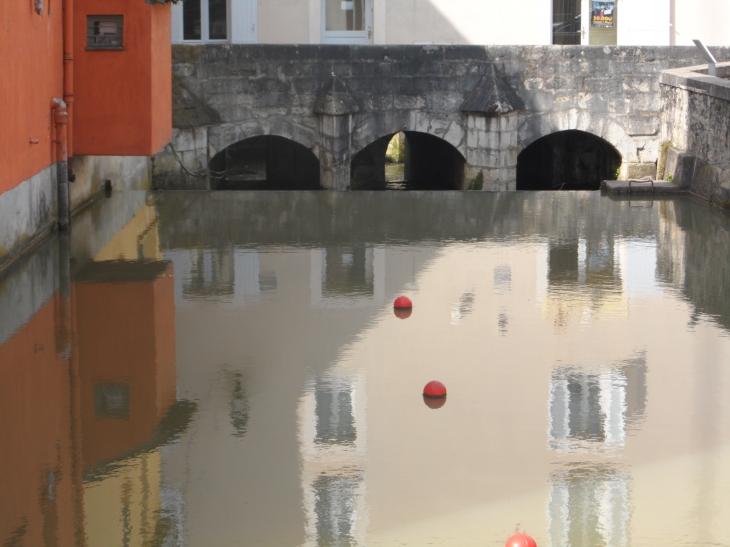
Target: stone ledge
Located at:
point(696, 79)
point(626, 187)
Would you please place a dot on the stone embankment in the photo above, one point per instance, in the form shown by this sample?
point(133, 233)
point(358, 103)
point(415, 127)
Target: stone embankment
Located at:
point(696, 131)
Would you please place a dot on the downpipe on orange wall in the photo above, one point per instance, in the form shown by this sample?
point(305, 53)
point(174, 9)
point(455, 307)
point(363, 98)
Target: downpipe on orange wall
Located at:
point(60, 121)
point(68, 77)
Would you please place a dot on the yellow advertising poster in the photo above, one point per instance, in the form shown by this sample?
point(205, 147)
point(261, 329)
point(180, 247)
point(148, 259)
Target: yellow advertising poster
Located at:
point(603, 13)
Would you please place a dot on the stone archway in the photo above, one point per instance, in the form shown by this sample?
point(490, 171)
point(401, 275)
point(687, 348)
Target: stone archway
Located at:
point(265, 162)
point(567, 160)
point(431, 163)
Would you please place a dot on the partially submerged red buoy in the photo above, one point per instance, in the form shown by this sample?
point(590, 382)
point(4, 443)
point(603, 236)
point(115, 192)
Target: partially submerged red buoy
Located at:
point(402, 303)
point(520, 540)
point(434, 402)
point(402, 313)
point(434, 389)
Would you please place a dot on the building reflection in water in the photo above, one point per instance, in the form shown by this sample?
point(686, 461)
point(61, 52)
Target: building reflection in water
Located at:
point(333, 434)
point(591, 411)
point(589, 506)
point(88, 398)
point(347, 276)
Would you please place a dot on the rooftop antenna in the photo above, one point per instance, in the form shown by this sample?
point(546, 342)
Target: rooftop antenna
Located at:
point(711, 62)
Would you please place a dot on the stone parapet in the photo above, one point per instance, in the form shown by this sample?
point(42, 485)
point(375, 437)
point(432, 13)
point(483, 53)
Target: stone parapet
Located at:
point(696, 130)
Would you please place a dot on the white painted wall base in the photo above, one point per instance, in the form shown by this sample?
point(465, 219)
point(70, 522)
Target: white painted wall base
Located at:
point(30, 209)
point(125, 172)
point(27, 210)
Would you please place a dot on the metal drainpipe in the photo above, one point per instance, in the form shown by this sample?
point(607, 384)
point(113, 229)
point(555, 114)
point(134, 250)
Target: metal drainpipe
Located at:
point(60, 120)
point(68, 75)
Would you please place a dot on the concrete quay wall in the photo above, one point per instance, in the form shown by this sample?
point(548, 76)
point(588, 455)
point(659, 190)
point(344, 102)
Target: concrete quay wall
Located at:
point(611, 92)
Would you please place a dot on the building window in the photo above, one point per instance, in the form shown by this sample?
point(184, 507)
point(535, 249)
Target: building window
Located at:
point(566, 22)
point(216, 21)
point(205, 20)
point(347, 21)
point(104, 32)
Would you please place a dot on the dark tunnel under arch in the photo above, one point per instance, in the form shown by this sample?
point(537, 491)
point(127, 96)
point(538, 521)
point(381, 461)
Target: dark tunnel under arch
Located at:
point(567, 160)
point(431, 163)
point(265, 162)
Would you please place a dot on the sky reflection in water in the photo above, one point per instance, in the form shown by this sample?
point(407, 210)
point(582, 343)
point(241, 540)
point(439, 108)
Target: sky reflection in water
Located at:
point(226, 369)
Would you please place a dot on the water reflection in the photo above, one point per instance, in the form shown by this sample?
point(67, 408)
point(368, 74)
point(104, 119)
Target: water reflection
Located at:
point(333, 434)
point(273, 312)
point(589, 506)
point(593, 410)
point(88, 396)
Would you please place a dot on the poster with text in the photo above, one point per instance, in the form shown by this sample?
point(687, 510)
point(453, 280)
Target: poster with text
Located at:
point(603, 12)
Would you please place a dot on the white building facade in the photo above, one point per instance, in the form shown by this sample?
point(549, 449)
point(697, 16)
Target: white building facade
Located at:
point(479, 22)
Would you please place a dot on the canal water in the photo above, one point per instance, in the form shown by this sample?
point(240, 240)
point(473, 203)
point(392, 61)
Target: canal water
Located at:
point(226, 369)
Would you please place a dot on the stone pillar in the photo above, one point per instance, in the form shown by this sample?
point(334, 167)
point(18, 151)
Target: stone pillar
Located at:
point(491, 152)
point(491, 110)
point(334, 161)
point(335, 107)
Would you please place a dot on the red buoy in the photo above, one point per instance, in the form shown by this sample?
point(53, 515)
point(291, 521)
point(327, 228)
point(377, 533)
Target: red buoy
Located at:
point(434, 389)
point(402, 303)
point(520, 540)
point(402, 313)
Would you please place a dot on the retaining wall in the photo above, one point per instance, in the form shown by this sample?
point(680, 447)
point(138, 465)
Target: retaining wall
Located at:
point(696, 130)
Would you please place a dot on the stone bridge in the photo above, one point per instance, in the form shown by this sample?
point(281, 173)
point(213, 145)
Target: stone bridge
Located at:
point(468, 112)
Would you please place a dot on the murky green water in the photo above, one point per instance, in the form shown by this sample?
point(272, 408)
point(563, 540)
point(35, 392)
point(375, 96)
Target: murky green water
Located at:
point(226, 369)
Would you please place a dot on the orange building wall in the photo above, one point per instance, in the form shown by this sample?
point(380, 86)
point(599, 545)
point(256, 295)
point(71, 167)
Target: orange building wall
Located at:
point(32, 76)
point(161, 76)
point(35, 436)
point(123, 103)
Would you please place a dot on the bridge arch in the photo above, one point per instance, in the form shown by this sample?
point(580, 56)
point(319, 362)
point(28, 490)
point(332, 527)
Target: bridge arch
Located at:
point(430, 163)
point(567, 160)
point(265, 162)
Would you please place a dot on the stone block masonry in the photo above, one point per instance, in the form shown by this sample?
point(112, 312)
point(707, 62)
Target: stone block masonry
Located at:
point(611, 92)
point(696, 131)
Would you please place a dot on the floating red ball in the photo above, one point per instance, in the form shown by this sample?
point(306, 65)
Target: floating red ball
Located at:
point(402, 313)
point(403, 303)
point(434, 402)
point(434, 389)
point(520, 540)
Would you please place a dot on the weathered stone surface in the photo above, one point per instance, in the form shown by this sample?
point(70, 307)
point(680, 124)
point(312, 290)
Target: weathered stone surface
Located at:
point(187, 109)
point(696, 113)
point(492, 96)
point(680, 167)
point(629, 187)
point(643, 125)
point(640, 170)
point(335, 99)
point(611, 92)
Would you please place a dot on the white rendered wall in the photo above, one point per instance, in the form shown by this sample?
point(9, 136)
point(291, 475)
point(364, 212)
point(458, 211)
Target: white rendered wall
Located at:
point(708, 20)
point(518, 22)
point(283, 21)
point(525, 22)
point(644, 22)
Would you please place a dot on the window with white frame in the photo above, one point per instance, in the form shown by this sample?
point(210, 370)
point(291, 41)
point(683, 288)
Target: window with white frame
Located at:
point(214, 21)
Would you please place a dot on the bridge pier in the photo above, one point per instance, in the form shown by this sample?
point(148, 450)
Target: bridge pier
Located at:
point(491, 152)
point(334, 160)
